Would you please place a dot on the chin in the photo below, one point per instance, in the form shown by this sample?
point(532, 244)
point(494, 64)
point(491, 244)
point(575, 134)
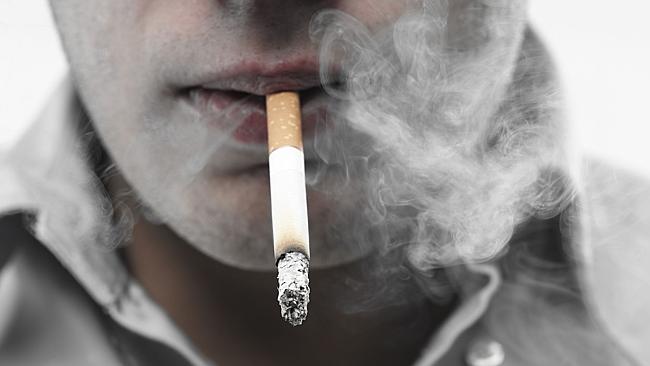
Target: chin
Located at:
point(241, 235)
point(228, 218)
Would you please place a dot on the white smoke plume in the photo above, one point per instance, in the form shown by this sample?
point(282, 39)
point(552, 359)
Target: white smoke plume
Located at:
point(451, 127)
point(449, 124)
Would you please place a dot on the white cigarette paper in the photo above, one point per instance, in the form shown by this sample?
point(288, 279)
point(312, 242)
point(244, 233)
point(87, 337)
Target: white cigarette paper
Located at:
point(288, 201)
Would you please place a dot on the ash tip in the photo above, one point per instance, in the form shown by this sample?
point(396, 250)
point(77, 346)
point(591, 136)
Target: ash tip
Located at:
point(293, 305)
point(293, 287)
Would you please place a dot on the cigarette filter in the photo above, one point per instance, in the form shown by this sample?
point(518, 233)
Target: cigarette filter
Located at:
point(288, 204)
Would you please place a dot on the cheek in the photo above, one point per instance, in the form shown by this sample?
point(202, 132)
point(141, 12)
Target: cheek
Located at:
point(90, 30)
point(179, 17)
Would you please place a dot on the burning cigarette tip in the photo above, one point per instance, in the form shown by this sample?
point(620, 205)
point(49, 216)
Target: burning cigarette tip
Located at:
point(293, 287)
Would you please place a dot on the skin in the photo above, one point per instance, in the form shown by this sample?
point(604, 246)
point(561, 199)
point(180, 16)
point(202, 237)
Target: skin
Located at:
point(130, 59)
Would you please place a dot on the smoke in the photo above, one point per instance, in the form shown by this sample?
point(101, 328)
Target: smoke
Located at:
point(449, 127)
point(449, 124)
point(453, 139)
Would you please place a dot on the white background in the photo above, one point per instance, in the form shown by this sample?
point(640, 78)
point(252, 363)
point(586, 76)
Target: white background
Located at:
point(601, 47)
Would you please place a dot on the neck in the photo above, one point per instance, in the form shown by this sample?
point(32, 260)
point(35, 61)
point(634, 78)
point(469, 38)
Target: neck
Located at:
point(232, 315)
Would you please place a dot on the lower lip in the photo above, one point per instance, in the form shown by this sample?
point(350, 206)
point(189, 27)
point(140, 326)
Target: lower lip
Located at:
point(252, 129)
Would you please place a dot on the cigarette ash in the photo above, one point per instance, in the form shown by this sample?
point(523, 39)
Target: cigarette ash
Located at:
point(293, 287)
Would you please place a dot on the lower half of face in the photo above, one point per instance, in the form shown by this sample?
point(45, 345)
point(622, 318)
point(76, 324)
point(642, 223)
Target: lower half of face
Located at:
point(176, 91)
point(227, 214)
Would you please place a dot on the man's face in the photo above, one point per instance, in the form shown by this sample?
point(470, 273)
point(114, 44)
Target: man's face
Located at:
point(175, 90)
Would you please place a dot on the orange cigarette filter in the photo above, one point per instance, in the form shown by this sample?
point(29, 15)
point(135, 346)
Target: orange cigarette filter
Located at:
point(284, 125)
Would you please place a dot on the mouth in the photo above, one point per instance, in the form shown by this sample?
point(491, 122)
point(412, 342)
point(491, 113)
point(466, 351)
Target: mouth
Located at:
point(234, 100)
point(243, 115)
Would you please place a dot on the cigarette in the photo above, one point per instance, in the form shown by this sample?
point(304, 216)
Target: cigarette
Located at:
point(288, 204)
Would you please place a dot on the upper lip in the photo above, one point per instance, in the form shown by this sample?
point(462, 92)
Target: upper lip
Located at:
point(262, 79)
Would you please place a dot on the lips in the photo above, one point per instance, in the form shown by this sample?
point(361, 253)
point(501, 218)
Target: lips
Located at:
point(234, 99)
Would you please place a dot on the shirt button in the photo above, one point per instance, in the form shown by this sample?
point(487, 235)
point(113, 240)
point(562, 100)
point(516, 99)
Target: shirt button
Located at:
point(485, 352)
